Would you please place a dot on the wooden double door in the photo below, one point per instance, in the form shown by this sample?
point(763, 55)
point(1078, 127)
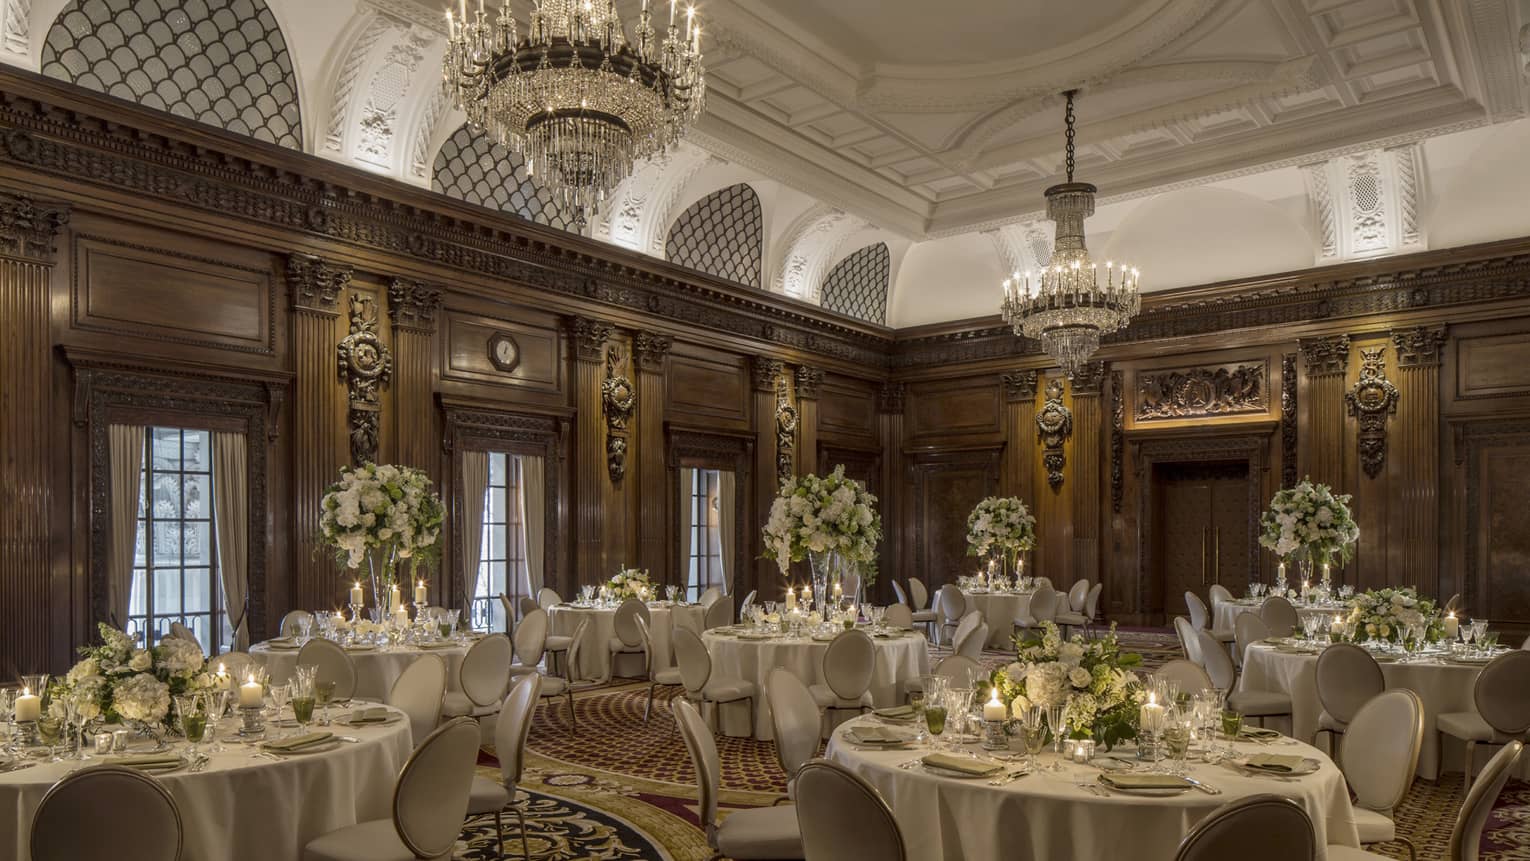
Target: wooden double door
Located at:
point(1205, 522)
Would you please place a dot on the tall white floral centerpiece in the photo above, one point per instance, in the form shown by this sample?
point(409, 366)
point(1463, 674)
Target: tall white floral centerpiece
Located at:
point(832, 521)
point(384, 516)
point(1003, 528)
point(1309, 525)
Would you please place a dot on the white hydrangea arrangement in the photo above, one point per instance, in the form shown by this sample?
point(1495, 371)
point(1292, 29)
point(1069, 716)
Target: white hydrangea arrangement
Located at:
point(122, 682)
point(1386, 614)
point(820, 515)
point(631, 583)
point(1091, 679)
point(1000, 524)
point(1309, 522)
point(387, 511)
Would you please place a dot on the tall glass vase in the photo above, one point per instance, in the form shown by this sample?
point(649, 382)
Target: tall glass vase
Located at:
point(381, 564)
point(826, 573)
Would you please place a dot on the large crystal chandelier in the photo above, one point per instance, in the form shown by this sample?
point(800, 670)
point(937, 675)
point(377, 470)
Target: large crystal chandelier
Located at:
point(575, 97)
point(1070, 303)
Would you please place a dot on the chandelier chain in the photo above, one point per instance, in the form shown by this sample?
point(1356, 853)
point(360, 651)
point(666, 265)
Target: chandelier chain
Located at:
point(1068, 118)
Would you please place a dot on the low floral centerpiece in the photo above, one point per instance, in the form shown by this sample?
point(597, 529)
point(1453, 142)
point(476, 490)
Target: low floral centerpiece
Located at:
point(1309, 524)
point(1001, 527)
point(830, 520)
point(1387, 615)
point(123, 683)
point(630, 583)
point(1092, 679)
point(384, 516)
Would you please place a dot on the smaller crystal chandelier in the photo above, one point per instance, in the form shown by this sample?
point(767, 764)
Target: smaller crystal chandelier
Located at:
point(575, 97)
point(1070, 303)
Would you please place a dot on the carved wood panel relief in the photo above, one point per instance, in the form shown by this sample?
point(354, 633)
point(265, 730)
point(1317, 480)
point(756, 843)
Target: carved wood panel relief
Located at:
point(1054, 424)
point(1371, 400)
point(1223, 390)
point(366, 367)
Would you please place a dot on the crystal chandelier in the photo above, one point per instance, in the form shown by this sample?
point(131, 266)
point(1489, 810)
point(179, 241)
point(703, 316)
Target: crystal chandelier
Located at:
point(1070, 303)
point(576, 98)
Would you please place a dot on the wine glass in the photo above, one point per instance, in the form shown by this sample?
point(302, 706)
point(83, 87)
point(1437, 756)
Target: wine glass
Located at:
point(1176, 738)
point(916, 701)
point(8, 714)
point(673, 592)
point(935, 717)
point(279, 695)
point(217, 707)
point(324, 694)
point(190, 710)
point(1033, 734)
point(959, 704)
point(1056, 723)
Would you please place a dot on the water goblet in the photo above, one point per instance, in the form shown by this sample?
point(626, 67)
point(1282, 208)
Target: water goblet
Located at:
point(217, 707)
point(935, 718)
point(279, 695)
point(190, 710)
point(303, 700)
point(1057, 725)
point(916, 702)
point(324, 693)
point(1033, 734)
point(959, 704)
point(1176, 738)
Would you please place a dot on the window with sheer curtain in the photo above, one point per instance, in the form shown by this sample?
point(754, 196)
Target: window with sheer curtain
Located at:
point(175, 567)
point(706, 568)
point(502, 566)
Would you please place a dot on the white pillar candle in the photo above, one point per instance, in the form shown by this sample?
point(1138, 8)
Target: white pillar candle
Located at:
point(28, 706)
point(1452, 626)
point(1150, 716)
point(401, 616)
point(393, 599)
point(791, 599)
point(421, 595)
point(838, 592)
point(357, 596)
point(993, 709)
point(1336, 628)
point(250, 694)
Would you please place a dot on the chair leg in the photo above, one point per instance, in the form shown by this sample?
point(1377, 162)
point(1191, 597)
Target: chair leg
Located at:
point(751, 716)
point(1471, 750)
point(573, 723)
point(525, 841)
point(499, 833)
point(648, 710)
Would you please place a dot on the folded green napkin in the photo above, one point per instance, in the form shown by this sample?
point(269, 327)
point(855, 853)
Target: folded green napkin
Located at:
point(438, 645)
point(896, 712)
point(1258, 733)
point(1279, 763)
point(299, 742)
point(1139, 780)
point(376, 714)
point(876, 735)
point(150, 762)
point(962, 764)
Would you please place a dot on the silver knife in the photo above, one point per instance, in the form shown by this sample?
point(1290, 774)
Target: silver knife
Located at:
point(1209, 790)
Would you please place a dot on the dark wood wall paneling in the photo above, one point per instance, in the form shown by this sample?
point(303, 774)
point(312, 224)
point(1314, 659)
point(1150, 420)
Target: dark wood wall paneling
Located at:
point(197, 258)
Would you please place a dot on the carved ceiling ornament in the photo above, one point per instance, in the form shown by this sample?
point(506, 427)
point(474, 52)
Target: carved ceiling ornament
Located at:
point(1371, 400)
point(619, 400)
point(1055, 423)
point(588, 337)
point(28, 231)
point(366, 366)
point(786, 432)
point(1088, 380)
point(1204, 391)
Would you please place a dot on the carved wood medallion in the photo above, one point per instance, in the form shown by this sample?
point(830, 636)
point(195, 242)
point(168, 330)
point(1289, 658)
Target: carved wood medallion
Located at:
point(1371, 400)
point(786, 430)
point(366, 365)
point(620, 400)
point(1055, 422)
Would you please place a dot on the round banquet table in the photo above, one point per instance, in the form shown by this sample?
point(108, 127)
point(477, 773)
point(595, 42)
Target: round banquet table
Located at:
point(377, 667)
point(900, 657)
point(1442, 686)
point(246, 809)
point(594, 652)
point(1000, 609)
point(1046, 815)
point(1226, 613)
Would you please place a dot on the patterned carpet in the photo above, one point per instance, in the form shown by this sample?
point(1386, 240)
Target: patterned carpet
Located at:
point(622, 790)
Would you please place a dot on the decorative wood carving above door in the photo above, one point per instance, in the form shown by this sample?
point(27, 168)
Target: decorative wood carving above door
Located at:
point(1218, 390)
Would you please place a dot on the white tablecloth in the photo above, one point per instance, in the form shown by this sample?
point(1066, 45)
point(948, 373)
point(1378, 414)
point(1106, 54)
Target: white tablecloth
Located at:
point(1442, 688)
point(899, 659)
point(1046, 816)
point(244, 809)
point(1000, 609)
point(594, 654)
point(1225, 613)
point(376, 669)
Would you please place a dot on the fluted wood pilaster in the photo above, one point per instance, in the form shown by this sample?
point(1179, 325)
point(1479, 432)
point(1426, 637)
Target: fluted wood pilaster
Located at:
point(895, 542)
point(1084, 469)
point(765, 372)
point(1414, 463)
point(650, 353)
point(808, 382)
point(412, 307)
point(1019, 434)
point(587, 339)
point(1326, 362)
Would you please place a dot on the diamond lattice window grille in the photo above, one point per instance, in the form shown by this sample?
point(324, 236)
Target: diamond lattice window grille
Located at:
point(219, 62)
point(857, 286)
point(722, 234)
point(472, 167)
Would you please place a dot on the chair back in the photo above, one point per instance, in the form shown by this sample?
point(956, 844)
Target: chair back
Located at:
point(417, 692)
point(953, 604)
point(1187, 639)
point(1467, 833)
point(848, 663)
point(431, 798)
point(1279, 615)
point(691, 659)
point(531, 638)
point(1044, 603)
point(90, 812)
point(1253, 828)
point(1215, 660)
point(709, 596)
point(1347, 678)
point(959, 667)
point(1381, 746)
point(1191, 677)
point(1092, 603)
point(548, 597)
point(182, 632)
point(1077, 595)
point(576, 642)
point(625, 622)
point(333, 663)
point(290, 622)
point(647, 637)
point(528, 604)
point(743, 609)
point(1218, 594)
point(795, 719)
point(718, 613)
point(703, 750)
point(898, 616)
point(901, 595)
point(1200, 617)
point(1043, 581)
point(485, 670)
point(236, 664)
point(829, 796)
point(919, 595)
point(1502, 693)
point(508, 608)
point(514, 726)
point(1248, 629)
point(971, 634)
point(1525, 646)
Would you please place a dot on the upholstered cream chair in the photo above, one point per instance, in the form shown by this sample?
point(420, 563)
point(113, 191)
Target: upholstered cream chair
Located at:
point(548, 597)
point(291, 621)
point(1092, 608)
point(718, 613)
point(1502, 697)
point(107, 811)
point(1248, 629)
point(755, 832)
point(1201, 618)
point(1218, 594)
point(1043, 608)
point(482, 679)
point(898, 616)
point(510, 732)
point(701, 685)
point(334, 666)
point(829, 796)
point(953, 606)
point(430, 801)
point(1253, 828)
point(709, 596)
point(919, 602)
point(181, 632)
point(1380, 754)
point(1190, 676)
point(795, 722)
point(667, 676)
point(959, 667)
point(627, 639)
point(1072, 615)
point(530, 643)
point(1189, 643)
point(1347, 678)
point(848, 665)
point(971, 634)
point(1280, 616)
point(1254, 704)
point(556, 686)
point(418, 691)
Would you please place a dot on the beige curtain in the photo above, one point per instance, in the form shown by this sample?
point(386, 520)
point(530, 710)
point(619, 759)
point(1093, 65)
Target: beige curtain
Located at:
point(687, 487)
point(125, 453)
point(475, 483)
point(727, 527)
point(534, 520)
point(231, 525)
